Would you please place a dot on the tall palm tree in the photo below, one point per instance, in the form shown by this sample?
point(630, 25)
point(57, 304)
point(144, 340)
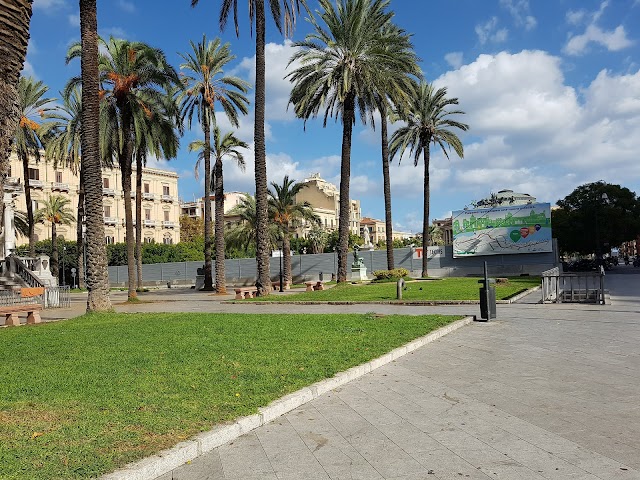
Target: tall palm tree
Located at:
point(15, 17)
point(287, 214)
point(56, 211)
point(97, 273)
point(427, 118)
point(394, 94)
point(132, 76)
point(243, 235)
point(28, 138)
point(226, 145)
point(345, 63)
point(284, 14)
point(205, 85)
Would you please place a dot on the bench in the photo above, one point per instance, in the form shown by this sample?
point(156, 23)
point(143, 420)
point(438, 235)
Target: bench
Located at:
point(314, 285)
point(245, 292)
point(12, 311)
point(276, 285)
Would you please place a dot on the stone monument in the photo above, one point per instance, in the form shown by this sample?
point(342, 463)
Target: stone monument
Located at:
point(367, 239)
point(358, 270)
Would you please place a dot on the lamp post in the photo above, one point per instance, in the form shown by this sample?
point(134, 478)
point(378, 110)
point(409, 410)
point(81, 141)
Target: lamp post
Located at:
point(281, 255)
point(335, 261)
point(602, 200)
point(64, 253)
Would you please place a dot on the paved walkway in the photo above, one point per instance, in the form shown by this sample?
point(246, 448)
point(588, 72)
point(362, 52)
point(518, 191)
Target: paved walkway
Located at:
point(544, 392)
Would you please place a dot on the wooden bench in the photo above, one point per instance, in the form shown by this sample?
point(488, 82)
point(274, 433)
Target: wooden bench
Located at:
point(12, 311)
point(314, 285)
point(245, 292)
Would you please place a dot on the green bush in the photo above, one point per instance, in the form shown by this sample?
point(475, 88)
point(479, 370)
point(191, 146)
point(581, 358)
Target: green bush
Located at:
point(394, 274)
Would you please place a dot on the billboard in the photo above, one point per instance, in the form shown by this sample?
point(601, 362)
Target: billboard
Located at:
point(502, 230)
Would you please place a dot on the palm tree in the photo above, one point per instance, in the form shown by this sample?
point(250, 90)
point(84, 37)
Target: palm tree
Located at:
point(131, 74)
point(205, 86)
point(28, 138)
point(284, 16)
point(287, 214)
point(223, 146)
point(427, 118)
point(243, 235)
point(56, 211)
point(15, 17)
point(394, 94)
point(97, 273)
point(344, 65)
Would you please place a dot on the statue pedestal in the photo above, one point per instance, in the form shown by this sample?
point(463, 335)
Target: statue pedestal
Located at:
point(358, 273)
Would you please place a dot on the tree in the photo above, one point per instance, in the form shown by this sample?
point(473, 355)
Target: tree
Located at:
point(191, 228)
point(288, 214)
point(427, 120)
point(283, 13)
point(317, 238)
point(205, 86)
point(97, 273)
point(243, 236)
point(223, 146)
point(28, 137)
point(15, 17)
point(344, 65)
point(56, 211)
point(132, 76)
point(587, 222)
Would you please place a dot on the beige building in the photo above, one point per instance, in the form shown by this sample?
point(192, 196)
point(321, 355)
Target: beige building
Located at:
point(445, 226)
point(195, 209)
point(324, 198)
point(160, 206)
point(377, 229)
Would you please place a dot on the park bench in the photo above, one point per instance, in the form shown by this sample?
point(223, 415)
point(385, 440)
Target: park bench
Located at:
point(11, 312)
point(314, 285)
point(245, 292)
point(276, 285)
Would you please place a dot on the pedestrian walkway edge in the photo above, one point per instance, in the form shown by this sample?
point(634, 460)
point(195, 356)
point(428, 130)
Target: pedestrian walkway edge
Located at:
point(167, 460)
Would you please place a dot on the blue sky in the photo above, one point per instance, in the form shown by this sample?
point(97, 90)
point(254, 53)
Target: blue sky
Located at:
point(551, 89)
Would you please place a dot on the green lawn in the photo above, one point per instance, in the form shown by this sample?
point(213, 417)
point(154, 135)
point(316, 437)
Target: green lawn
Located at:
point(82, 397)
point(445, 289)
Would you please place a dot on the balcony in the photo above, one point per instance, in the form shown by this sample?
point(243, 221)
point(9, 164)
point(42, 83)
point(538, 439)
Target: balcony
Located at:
point(110, 192)
point(60, 187)
point(148, 196)
point(168, 224)
point(110, 220)
point(149, 223)
point(166, 198)
point(35, 183)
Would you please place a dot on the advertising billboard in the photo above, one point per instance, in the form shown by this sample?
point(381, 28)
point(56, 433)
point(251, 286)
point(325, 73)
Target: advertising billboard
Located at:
point(502, 230)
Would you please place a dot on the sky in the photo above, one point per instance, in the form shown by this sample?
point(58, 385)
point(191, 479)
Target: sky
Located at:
point(551, 91)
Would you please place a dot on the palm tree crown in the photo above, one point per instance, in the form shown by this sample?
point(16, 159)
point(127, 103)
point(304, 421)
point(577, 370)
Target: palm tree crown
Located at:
point(427, 121)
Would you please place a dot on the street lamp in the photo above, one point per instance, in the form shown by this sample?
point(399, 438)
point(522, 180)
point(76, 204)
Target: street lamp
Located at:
point(335, 261)
point(602, 200)
point(413, 249)
point(64, 252)
point(281, 255)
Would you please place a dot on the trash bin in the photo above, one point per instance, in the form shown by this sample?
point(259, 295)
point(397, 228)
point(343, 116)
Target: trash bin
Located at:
point(487, 298)
point(320, 276)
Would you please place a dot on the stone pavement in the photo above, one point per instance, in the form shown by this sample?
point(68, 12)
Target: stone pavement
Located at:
point(544, 392)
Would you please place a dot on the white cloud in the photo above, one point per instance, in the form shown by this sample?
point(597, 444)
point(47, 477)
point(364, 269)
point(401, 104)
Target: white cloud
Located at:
point(74, 20)
point(28, 71)
point(454, 59)
point(520, 11)
point(488, 32)
point(48, 5)
point(128, 7)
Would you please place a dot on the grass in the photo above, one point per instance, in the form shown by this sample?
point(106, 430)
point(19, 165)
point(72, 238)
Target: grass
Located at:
point(445, 289)
point(82, 397)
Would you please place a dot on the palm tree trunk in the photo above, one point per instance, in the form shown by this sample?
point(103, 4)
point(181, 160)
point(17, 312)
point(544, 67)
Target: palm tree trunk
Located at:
point(97, 273)
point(55, 271)
point(425, 219)
point(286, 253)
point(15, 17)
point(387, 187)
point(139, 220)
point(27, 197)
point(208, 274)
point(263, 282)
point(221, 286)
point(125, 161)
point(79, 237)
point(348, 116)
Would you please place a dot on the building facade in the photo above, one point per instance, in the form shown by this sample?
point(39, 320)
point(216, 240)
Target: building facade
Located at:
point(195, 209)
point(505, 198)
point(377, 230)
point(160, 205)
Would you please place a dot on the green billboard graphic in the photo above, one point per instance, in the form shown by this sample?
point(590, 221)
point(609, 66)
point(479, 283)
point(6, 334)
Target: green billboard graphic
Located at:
point(502, 230)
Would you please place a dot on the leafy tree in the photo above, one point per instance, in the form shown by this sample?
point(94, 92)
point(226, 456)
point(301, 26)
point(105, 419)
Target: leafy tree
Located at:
point(317, 238)
point(226, 145)
point(283, 13)
point(427, 121)
point(587, 222)
point(242, 237)
point(205, 85)
point(28, 137)
point(288, 214)
point(333, 241)
point(191, 228)
point(344, 65)
point(56, 211)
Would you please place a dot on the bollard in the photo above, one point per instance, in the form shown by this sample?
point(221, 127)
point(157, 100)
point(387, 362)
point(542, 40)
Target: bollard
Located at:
point(399, 288)
point(487, 297)
point(320, 276)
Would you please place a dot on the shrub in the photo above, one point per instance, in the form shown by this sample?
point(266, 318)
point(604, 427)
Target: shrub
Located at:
point(394, 274)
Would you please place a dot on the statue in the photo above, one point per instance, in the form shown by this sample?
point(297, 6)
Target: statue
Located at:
point(367, 239)
point(358, 270)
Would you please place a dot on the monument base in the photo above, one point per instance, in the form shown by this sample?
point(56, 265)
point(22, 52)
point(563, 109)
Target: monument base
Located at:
point(358, 273)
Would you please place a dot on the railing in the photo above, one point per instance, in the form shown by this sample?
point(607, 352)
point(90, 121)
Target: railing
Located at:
point(148, 196)
point(23, 270)
point(166, 198)
point(110, 220)
point(52, 297)
point(62, 187)
point(149, 223)
point(587, 287)
point(35, 183)
point(108, 191)
point(168, 224)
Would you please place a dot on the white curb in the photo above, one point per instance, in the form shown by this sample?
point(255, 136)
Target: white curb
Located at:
point(167, 460)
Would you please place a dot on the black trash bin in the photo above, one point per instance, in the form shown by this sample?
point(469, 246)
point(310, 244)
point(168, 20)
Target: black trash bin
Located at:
point(321, 277)
point(487, 298)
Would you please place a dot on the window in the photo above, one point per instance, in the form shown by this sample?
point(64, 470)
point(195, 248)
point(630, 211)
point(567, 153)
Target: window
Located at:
point(34, 174)
point(166, 215)
point(105, 183)
point(146, 188)
point(167, 241)
point(109, 240)
point(148, 240)
point(147, 214)
point(58, 177)
point(107, 211)
point(165, 190)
